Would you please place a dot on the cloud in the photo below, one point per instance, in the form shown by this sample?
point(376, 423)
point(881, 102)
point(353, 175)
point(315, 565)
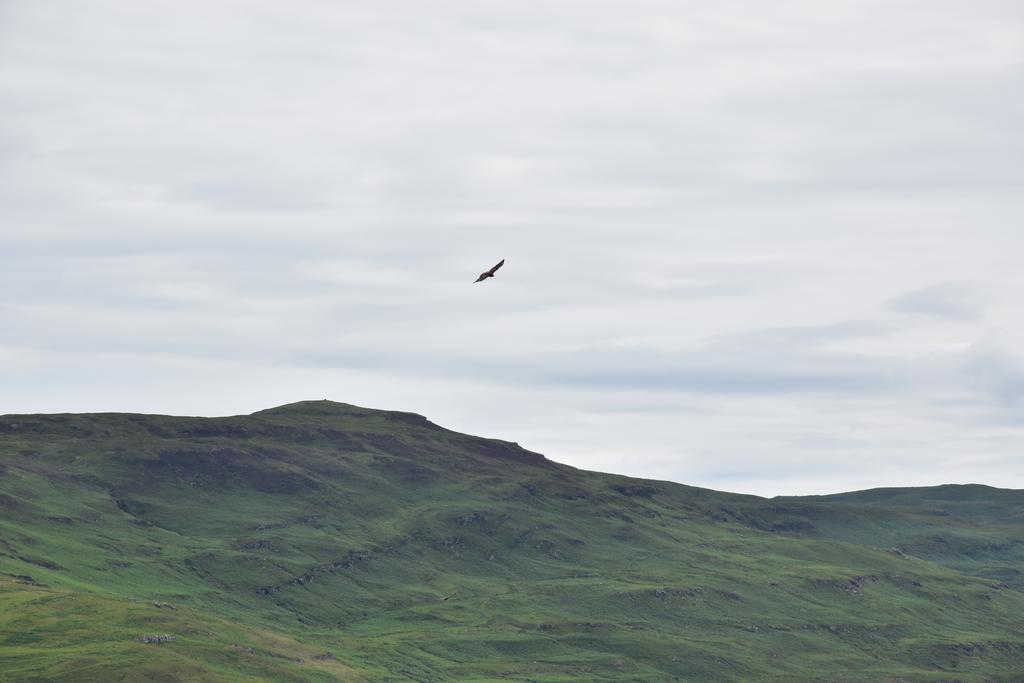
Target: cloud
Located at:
point(997, 370)
point(950, 301)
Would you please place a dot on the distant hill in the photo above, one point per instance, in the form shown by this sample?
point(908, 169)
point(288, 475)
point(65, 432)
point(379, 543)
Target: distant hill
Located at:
point(321, 541)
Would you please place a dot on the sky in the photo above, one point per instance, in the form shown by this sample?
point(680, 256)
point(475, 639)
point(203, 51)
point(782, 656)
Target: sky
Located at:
point(772, 248)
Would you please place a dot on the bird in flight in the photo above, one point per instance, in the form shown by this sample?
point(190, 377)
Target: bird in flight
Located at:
point(490, 273)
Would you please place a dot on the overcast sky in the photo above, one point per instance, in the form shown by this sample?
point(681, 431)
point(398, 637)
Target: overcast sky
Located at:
point(762, 247)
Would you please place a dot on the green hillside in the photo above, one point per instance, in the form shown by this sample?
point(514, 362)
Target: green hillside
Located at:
point(321, 541)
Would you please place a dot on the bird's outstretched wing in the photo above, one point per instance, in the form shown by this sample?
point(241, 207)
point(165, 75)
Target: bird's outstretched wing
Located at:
point(490, 273)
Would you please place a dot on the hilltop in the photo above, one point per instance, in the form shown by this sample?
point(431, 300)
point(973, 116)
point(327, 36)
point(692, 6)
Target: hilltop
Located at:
point(322, 541)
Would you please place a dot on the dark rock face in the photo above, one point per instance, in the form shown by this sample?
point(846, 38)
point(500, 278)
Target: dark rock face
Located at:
point(637, 491)
point(349, 562)
point(223, 466)
point(502, 450)
point(414, 420)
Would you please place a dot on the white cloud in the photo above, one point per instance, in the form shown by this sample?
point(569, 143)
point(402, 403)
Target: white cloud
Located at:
point(951, 300)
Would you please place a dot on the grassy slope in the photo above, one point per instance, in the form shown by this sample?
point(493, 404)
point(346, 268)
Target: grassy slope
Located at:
point(321, 541)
